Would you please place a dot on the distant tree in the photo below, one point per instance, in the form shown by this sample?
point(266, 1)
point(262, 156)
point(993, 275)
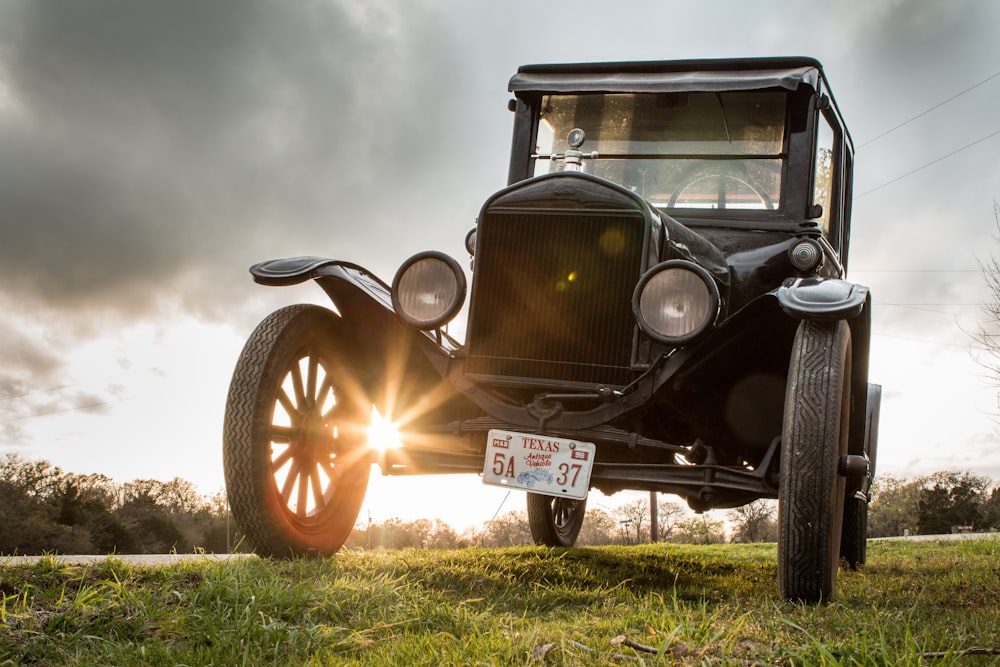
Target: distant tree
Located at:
point(218, 533)
point(95, 489)
point(933, 511)
point(991, 510)
point(72, 508)
point(951, 499)
point(395, 533)
point(363, 535)
point(700, 529)
point(510, 529)
point(895, 506)
point(599, 528)
point(109, 535)
point(668, 515)
point(43, 509)
point(987, 335)
point(174, 497)
point(152, 526)
point(87, 502)
point(632, 517)
point(179, 496)
point(441, 536)
point(38, 479)
point(28, 513)
point(755, 522)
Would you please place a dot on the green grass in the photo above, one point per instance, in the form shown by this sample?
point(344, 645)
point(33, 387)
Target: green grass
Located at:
point(519, 606)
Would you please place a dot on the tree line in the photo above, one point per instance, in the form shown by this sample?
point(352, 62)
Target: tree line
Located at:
point(628, 524)
point(944, 502)
point(46, 510)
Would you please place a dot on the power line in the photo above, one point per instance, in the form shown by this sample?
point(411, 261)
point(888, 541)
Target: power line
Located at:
point(38, 391)
point(857, 270)
point(924, 166)
point(925, 342)
point(927, 111)
point(60, 410)
point(951, 314)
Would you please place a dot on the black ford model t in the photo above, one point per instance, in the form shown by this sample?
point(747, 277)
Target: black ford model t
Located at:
point(658, 302)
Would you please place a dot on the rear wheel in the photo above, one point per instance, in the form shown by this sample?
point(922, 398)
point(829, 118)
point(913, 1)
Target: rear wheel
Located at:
point(854, 543)
point(555, 522)
point(295, 434)
point(814, 437)
point(854, 540)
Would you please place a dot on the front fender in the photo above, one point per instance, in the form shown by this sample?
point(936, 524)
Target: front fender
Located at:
point(295, 270)
point(397, 364)
point(815, 298)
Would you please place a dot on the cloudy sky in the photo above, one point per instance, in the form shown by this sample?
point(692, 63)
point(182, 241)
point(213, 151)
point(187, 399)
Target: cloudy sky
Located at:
point(151, 151)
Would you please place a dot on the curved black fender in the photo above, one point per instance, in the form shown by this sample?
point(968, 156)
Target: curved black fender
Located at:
point(815, 298)
point(400, 367)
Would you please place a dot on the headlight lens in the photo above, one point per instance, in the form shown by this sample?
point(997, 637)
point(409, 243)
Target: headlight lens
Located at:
point(428, 290)
point(675, 301)
point(470, 241)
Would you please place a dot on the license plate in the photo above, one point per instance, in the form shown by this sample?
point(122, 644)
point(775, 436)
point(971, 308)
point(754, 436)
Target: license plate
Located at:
point(539, 463)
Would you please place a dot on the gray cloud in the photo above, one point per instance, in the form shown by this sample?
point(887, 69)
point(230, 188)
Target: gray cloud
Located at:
point(156, 147)
point(31, 380)
point(152, 141)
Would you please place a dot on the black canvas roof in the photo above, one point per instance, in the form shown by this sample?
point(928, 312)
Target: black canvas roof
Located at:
point(669, 76)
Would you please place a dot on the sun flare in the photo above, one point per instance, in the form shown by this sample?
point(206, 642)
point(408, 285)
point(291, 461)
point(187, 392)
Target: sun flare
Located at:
point(383, 435)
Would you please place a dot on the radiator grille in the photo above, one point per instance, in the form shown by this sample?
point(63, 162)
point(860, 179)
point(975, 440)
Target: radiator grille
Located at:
point(552, 296)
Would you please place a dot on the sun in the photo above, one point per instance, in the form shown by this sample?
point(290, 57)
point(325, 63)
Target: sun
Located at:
point(383, 435)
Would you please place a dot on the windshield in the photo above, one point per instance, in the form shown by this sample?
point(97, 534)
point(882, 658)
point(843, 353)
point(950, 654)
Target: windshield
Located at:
point(676, 150)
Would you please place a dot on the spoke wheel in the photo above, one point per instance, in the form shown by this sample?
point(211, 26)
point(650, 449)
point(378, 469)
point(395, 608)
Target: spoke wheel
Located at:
point(294, 442)
point(814, 437)
point(555, 522)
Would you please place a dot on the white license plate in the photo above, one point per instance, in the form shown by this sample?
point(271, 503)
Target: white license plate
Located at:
point(539, 463)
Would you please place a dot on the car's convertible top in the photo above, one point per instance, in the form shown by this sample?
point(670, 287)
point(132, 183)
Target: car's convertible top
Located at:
point(669, 76)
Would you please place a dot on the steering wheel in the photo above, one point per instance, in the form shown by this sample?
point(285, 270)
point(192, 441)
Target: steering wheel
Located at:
point(729, 181)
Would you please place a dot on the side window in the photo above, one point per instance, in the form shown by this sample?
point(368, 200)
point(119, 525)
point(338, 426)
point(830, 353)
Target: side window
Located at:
point(823, 174)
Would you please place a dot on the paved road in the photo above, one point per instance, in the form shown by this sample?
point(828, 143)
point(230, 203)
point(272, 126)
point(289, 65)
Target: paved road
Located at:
point(131, 559)
point(950, 536)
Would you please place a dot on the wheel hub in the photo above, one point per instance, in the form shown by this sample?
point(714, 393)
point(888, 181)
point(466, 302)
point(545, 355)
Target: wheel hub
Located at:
point(315, 441)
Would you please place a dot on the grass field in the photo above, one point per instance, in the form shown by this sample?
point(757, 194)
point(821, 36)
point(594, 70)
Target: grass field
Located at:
point(915, 603)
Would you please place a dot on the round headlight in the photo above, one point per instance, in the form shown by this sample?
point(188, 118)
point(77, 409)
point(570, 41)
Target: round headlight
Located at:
point(470, 241)
point(428, 290)
point(675, 301)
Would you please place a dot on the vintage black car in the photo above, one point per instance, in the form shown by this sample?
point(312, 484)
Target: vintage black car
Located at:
point(658, 302)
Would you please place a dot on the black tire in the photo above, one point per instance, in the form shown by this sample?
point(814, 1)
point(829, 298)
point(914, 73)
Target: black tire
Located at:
point(872, 409)
point(555, 522)
point(814, 437)
point(854, 541)
point(295, 436)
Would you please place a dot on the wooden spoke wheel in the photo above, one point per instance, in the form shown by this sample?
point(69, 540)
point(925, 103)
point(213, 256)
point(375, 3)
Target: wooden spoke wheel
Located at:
point(295, 436)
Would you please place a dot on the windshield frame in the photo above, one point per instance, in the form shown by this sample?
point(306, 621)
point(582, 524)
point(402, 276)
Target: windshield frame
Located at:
point(801, 77)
